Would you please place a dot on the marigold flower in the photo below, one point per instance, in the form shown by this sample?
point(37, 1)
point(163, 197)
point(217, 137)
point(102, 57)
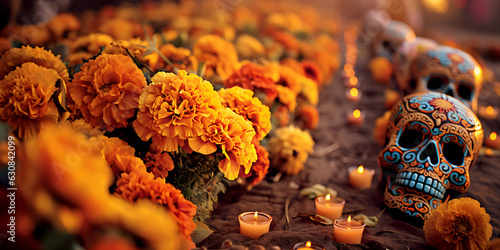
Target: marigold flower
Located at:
point(380, 129)
point(181, 58)
point(313, 71)
point(282, 114)
point(287, 97)
point(149, 225)
point(81, 126)
point(309, 116)
point(15, 57)
point(458, 224)
point(309, 91)
point(260, 168)
point(107, 90)
point(63, 176)
point(251, 76)
point(174, 108)
point(218, 54)
point(27, 100)
point(234, 135)
point(4, 45)
point(381, 69)
point(249, 47)
point(85, 47)
point(158, 163)
point(290, 78)
point(63, 24)
point(289, 149)
point(119, 155)
point(134, 186)
point(122, 29)
point(37, 35)
point(242, 102)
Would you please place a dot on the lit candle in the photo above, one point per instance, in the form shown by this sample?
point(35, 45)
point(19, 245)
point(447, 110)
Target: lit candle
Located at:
point(353, 94)
point(356, 117)
point(360, 177)
point(492, 141)
point(348, 231)
point(329, 207)
point(308, 246)
point(487, 112)
point(254, 224)
point(351, 82)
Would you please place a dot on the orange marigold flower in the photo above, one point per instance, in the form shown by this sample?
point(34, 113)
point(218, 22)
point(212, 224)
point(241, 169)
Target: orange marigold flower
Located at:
point(381, 69)
point(290, 78)
point(282, 114)
point(287, 97)
point(242, 102)
point(81, 126)
point(380, 129)
point(123, 29)
point(37, 35)
point(219, 55)
point(458, 224)
point(181, 58)
point(27, 101)
point(15, 57)
point(145, 224)
point(288, 40)
point(259, 168)
point(174, 108)
point(313, 71)
point(234, 135)
point(309, 116)
point(107, 90)
point(251, 76)
point(119, 155)
point(158, 163)
point(293, 64)
point(249, 47)
point(85, 47)
point(63, 175)
point(134, 186)
point(63, 24)
point(289, 149)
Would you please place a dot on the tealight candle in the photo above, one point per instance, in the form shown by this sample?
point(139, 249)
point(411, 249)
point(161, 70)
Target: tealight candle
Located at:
point(348, 231)
point(353, 94)
point(329, 207)
point(492, 141)
point(308, 246)
point(254, 224)
point(351, 82)
point(360, 177)
point(356, 117)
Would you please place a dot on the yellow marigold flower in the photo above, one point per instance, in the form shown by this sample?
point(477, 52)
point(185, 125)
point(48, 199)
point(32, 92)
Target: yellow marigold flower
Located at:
point(119, 155)
point(63, 175)
point(174, 108)
point(242, 102)
point(249, 47)
point(458, 224)
point(158, 163)
point(289, 149)
point(63, 24)
point(134, 186)
point(260, 168)
point(107, 90)
point(15, 57)
point(149, 225)
point(219, 55)
point(27, 101)
point(287, 97)
point(233, 134)
point(309, 91)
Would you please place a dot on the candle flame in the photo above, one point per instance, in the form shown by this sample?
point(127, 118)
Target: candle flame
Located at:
point(349, 219)
point(361, 169)
point(347, 67)
point(255, 216)
point(328, 197)
point(493, 136)
point(353, 80)
point(489, 110)
point(349, 73)
point(308, 244)
point(354, 92)
point(356, 113)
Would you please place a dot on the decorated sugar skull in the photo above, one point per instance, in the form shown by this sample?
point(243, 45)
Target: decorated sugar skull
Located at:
point(447, 70)
point(432, 141)
point(393, 34)
point(404, 56)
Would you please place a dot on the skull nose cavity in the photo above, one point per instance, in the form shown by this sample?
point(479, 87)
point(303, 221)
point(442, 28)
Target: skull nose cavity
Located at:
point(429, 153)
point(449, 92)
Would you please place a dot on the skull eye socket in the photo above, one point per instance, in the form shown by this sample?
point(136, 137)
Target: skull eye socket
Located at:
point(453, 149)
point(437, 82)
point(464, 91)
point(388, 46)
point(413, 134)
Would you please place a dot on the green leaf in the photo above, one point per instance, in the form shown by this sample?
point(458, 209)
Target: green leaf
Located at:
point(201, 232)
point(370, 221)
point(316, 218)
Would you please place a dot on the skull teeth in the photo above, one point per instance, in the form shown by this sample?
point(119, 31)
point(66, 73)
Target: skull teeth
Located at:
point(421, 182)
